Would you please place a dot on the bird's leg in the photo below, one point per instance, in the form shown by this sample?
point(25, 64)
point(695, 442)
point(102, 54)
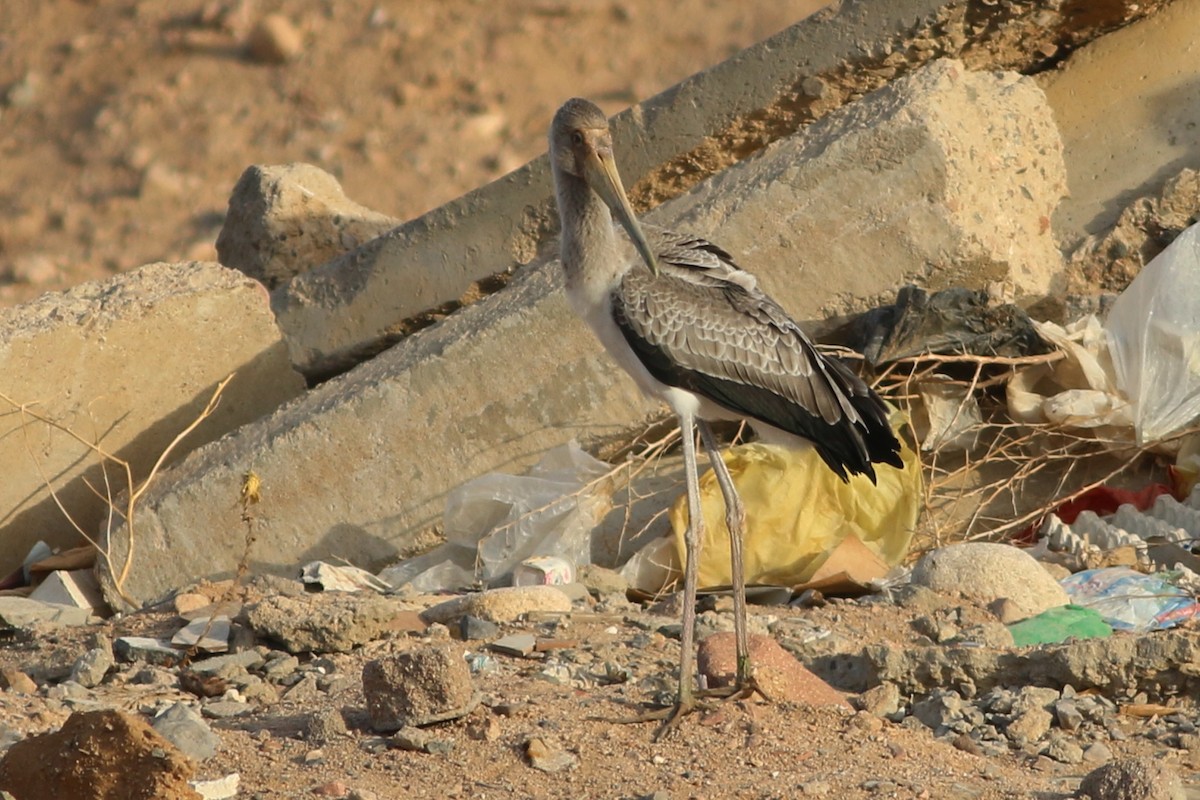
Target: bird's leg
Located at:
point(686, 700)
point(735, 517)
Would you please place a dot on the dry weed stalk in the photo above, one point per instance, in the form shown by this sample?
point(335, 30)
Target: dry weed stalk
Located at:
point(134, 489)
point(1014, 460)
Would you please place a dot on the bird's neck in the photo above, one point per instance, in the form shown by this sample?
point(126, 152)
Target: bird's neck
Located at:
point(589, 242)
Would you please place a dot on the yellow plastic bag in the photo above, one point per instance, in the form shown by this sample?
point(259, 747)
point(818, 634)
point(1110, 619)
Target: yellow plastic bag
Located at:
point(798, 512)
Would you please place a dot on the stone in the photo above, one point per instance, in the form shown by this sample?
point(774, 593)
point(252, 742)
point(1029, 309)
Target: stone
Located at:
point(14, 680)
point(516, 644)
point(218, 788)
point(186, 729)
point(229, 665)
point(939, 709)
point(420, 741)
point(1063, 749)
point(275, 40)
point(548, 756)
point(325, 726)
point(1142, 778)
point(147, 650)
point(418, 687)
point(76, 587)
point(882, 700)
point(473, 628)
point(985, 571)
point(204, 320)
point(22, 612)
point(602, 582)
point(284, 220)
point(325, 622)
point(1097, 753)
point(206, 634)
point(1029, 726)
point(507, 604)
point(777, 672)
point(92, 667)
point(98, 755)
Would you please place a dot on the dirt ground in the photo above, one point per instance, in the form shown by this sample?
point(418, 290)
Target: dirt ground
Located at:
point(734, 749)
point(124, 125)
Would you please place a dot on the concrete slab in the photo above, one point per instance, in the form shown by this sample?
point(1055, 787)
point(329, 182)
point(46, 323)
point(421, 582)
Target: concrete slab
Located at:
point(360, 466)
point(128, 363)
point(284, 220)
point(335, 314)
point(1128, 108)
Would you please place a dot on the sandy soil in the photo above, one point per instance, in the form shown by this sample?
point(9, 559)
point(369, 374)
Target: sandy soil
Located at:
point(124, 125)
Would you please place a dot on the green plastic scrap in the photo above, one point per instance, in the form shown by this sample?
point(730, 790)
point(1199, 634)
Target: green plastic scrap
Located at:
point(1058, 625)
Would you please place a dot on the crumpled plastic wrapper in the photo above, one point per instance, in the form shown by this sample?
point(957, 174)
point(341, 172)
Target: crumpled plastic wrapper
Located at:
point(798, 512)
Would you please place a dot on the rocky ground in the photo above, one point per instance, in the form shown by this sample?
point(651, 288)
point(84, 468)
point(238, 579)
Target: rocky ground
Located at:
point(524, 687)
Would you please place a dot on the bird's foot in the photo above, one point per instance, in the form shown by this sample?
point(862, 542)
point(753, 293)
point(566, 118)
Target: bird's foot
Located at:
point(669, 715)
point(743, 689)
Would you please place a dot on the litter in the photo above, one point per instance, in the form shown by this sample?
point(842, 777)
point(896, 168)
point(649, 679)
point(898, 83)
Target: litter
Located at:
point(1130, 600)
point(1154, 340)
point(496, 521)
point(798, 512)
point(1059, 624)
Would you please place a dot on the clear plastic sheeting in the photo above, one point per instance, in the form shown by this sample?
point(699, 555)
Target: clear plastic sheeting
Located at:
point(1154, 338)
point(798, 512)
point(496, 521)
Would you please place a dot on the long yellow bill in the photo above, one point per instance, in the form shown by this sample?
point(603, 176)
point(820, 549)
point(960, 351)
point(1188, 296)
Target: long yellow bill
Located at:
point(603, 178)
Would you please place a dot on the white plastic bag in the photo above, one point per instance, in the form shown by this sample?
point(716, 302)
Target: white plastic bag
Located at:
point(1154, 339)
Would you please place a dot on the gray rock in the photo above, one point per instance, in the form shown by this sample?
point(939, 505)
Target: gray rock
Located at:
point(473, 628)
point(1097, 753)
point(548, 756)
point(1068, 715)
point(225, 709)
point(230, 665)
point(882, 700)
point(325, 622)
point(325, 726)
point(158, 652)
point(21, 612)
point(940, 709)
point(1028, 726)
point(985, 572)
point(420, 741)
point(1063, 749)
point(187, 730)
point(285, 220)
point(1133, 779)
point(418, 687)
point(91, 668)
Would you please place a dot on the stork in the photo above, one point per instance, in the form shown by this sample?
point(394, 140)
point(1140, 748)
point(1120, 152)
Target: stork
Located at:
point(696, 331)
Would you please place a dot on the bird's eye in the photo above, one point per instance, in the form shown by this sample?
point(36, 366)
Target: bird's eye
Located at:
point(576, 138)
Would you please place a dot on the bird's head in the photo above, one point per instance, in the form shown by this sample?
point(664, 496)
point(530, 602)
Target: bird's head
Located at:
point(581, 145)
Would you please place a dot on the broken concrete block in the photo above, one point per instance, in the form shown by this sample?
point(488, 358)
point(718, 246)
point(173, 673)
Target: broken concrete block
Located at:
point(284, 220)
point(500, 381)
point(1125, 131)
point(126, 363)
point(24, 612)
point(327, 622)
point(77, 587)
point(418, 687)
point(942, 178)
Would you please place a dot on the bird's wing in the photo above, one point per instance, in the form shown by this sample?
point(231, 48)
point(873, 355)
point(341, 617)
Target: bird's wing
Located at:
point(703, 325)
